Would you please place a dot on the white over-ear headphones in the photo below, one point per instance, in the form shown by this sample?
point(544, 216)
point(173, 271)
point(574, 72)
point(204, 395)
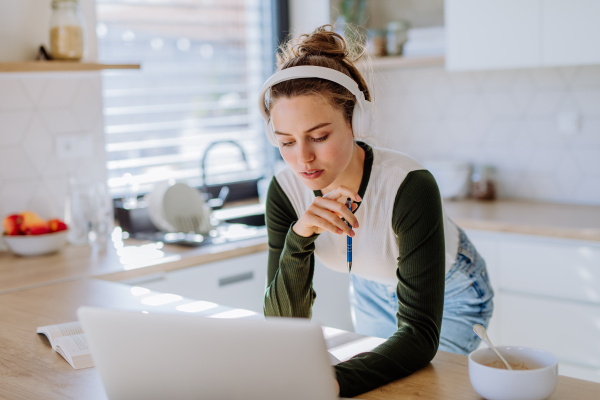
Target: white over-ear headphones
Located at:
point(361, 116)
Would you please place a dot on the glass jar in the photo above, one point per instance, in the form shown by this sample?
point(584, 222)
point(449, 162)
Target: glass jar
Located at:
point(376, 42)
point(67, 31)
point(483, 186)
point(396, 37)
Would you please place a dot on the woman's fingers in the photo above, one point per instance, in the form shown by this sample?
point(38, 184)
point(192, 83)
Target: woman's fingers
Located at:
point(338, 208)
point(343, 191)
point(333, 220)
point(322, 224)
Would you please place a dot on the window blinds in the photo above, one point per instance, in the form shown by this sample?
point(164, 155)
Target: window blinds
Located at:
point(203, 62)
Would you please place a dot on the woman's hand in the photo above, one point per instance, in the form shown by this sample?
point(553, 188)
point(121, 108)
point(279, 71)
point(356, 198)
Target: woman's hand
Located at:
point(325, 214)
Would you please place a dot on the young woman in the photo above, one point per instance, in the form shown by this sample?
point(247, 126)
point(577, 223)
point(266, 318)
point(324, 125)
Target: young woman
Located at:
point(416, 279)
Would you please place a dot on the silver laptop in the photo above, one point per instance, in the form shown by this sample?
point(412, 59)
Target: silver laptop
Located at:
point(164, 356)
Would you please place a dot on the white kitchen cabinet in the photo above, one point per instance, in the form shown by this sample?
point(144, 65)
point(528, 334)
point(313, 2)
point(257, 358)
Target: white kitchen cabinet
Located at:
point(240, 282)
point(570, 32)
point(569, 330)
point(492, 34)
point(496, 34)
point(236, 282)
point(547, 296)
point(332, 305)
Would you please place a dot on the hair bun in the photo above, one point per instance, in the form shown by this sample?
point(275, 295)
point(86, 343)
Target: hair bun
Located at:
point(322, 42)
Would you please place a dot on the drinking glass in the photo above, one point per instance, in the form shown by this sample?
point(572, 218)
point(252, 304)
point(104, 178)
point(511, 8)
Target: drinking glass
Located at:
point(88, 212)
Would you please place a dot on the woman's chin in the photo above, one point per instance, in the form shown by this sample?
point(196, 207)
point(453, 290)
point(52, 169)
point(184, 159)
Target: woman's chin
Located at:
point(314, 183)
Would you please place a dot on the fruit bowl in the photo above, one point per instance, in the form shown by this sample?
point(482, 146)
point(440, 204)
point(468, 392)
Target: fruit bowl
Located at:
point(36, 245)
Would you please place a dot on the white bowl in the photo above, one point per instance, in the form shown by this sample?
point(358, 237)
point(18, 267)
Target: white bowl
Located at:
point(500, 384)
point(35, 245)
point(453, 177)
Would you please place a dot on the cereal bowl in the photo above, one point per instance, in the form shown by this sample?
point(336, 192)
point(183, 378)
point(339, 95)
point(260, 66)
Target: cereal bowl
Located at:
point(534, 375)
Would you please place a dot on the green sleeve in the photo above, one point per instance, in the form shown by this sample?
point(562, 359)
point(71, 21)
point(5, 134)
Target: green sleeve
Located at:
point(418, 223)
point(289, 291)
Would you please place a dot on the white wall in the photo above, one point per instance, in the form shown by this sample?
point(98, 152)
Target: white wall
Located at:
point(507, 118)
point(25, 25)
point(37, 109)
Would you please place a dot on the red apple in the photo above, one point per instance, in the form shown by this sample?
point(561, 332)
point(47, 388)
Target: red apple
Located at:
point(31, 223)
point(38, 230)
point(56, 225)
point(11, 224)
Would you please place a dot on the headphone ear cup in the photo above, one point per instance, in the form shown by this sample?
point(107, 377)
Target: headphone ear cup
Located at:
point(361, 119)
point(270, 132)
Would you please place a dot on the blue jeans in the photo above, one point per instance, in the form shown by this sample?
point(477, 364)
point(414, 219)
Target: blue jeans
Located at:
point(467, 301)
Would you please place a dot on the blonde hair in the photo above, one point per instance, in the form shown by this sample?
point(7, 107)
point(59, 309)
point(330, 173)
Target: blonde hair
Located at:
point(323, 48)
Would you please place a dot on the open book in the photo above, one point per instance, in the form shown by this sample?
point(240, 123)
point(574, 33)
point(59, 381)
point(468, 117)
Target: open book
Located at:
point(69, 341)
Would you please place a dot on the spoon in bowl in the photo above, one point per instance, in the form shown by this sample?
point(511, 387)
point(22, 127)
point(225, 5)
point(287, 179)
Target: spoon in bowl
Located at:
point(480, 331)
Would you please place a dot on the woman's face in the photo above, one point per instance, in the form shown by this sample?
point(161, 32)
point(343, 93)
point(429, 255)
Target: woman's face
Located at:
point(314, 139)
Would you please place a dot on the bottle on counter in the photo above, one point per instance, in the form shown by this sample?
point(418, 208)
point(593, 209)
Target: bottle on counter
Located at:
point(67, 31)
point(483, 185)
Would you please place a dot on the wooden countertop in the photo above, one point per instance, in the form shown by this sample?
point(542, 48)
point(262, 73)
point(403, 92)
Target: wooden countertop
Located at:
point(29, 368)
point(76, 262)
point(533, 218)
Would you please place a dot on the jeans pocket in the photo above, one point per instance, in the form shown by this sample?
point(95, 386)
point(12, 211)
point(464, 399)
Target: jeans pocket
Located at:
point(468, 279)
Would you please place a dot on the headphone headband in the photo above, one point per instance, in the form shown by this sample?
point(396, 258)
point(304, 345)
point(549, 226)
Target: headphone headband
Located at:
point(361, 119)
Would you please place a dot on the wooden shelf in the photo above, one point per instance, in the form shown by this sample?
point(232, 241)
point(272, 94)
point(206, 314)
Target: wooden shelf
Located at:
point(57, 66)
point(393, 62)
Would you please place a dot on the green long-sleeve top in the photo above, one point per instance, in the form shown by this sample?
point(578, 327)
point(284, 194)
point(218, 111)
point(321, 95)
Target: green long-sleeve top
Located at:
point(418, 225)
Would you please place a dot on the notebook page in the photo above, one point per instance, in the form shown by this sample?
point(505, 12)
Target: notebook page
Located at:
point(53, 332)
point(75, 350)
point(74, 345)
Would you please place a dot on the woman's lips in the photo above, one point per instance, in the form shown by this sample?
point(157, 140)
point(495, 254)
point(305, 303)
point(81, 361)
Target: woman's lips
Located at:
point(312, 174)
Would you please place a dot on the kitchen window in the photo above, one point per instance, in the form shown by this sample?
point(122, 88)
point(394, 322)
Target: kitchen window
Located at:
point(203, 63)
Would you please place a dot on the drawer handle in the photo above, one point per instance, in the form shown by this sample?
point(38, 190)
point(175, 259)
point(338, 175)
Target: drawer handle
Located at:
point(159, 276)
point(236, 278)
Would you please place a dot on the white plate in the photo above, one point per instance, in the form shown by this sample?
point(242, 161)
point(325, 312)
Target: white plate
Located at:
point(184, 208)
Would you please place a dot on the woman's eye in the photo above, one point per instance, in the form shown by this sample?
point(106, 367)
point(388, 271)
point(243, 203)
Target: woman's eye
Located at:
point(322, 138)
point(283, 144)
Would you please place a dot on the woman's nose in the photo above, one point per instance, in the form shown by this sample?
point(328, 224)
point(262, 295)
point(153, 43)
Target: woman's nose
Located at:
point(305, 154)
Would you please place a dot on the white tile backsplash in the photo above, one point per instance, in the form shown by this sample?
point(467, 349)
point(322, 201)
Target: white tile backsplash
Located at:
point(59, 92)
point(13, 95)
point(35, 109)
point(14, 124)
point(507, 118)
point(38, 144)
point(589, 100)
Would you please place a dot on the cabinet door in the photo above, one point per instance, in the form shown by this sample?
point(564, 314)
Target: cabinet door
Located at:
point(570, 32)
point(556, 268)
point(492, 34)
point(567, 329)
point(332, 305)
point(236, 282)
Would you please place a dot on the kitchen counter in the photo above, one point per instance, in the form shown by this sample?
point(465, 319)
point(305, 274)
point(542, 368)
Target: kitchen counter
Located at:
point(30, 369)
point(533, 218)
point(73, 262)
point(77, 262)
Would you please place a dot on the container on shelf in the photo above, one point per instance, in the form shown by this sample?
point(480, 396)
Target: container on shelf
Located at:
point(376, 42)
point(483, 186)
point(396, 37)
point(67, 31)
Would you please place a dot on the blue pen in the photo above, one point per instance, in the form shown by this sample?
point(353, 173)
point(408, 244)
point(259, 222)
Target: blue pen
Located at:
point(349, 238)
